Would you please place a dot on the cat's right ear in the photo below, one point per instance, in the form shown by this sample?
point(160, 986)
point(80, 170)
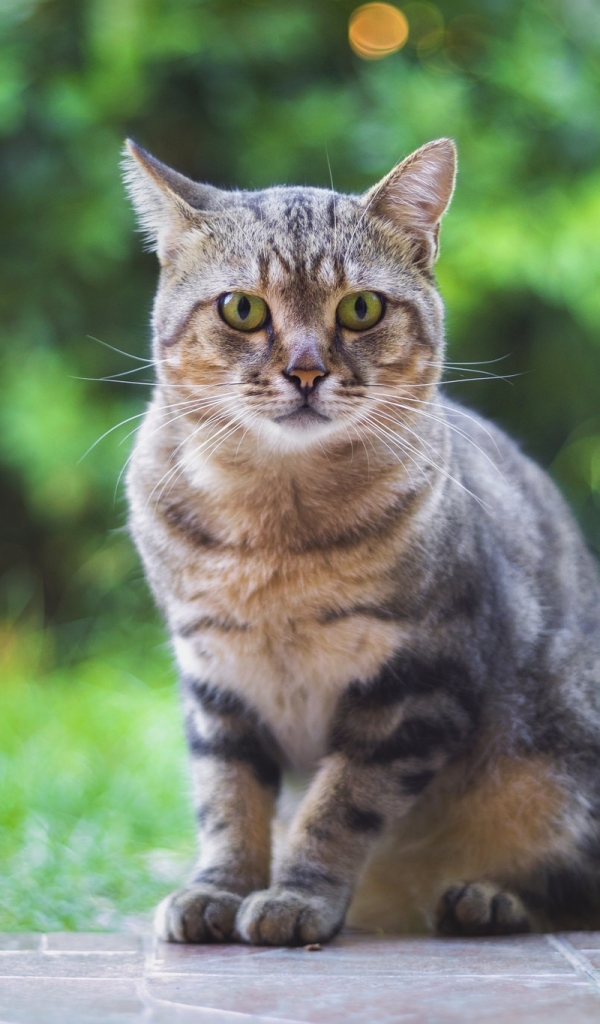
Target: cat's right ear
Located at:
point(167, 203)
point(416, 193)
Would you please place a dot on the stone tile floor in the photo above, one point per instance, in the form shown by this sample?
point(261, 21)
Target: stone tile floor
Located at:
point(120, 979)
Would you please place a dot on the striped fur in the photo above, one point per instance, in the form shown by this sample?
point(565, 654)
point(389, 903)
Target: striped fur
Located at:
point(366, 585)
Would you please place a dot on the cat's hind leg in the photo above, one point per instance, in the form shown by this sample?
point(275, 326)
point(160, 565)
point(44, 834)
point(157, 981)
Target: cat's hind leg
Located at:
point(481, 908)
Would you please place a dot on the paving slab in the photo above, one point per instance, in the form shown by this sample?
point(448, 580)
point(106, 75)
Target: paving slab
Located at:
point(79, 978)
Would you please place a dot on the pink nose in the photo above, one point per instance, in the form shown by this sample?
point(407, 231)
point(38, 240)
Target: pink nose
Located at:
point(307, 378)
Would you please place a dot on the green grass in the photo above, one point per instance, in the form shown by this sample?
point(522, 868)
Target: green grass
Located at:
point(95, 817)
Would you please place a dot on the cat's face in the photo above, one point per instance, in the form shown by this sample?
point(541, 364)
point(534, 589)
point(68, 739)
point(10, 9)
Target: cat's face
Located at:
point(298, 313)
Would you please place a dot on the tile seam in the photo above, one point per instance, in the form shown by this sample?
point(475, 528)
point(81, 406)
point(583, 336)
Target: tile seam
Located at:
point(67, 977)
point(86, 952)
point(576, 959)
point(150, 1002)
point(379, 975)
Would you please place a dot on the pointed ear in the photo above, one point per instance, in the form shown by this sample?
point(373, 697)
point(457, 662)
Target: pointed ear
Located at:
point(167, 203)
point(417, 192)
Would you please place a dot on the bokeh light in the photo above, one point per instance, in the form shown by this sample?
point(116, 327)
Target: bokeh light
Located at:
point(465, 41)
point(376, 30)
point(426, 27)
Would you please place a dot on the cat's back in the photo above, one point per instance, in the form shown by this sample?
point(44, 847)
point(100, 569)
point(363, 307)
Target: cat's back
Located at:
point(524, 548)
point(516, 502)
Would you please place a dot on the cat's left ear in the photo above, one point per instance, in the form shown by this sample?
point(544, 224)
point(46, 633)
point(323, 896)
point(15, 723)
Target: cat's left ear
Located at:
point(416, 194)
point(167, 203)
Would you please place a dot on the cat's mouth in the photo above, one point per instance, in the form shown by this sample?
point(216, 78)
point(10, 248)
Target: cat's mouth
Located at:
point(304, 416)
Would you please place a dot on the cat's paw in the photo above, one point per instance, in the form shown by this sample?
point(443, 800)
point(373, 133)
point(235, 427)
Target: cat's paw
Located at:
point(284, 917)
point(200, 913)
point(480, 908)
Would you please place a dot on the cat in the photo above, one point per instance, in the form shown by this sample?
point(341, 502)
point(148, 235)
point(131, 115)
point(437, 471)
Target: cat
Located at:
point(363, 582)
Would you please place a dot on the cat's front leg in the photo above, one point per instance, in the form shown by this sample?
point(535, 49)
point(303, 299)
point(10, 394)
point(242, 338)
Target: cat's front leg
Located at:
point(235, 780)
point(387, 747)
point(344, 811)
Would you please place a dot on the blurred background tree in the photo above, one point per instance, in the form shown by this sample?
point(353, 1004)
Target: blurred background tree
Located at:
point(247, 93)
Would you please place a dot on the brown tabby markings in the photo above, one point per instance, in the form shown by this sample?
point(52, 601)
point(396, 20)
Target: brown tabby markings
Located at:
point(496, 828)
point(362, 583)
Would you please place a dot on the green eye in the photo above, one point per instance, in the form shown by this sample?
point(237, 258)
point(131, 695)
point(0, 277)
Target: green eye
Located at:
point(244, 312)
point(360, 310)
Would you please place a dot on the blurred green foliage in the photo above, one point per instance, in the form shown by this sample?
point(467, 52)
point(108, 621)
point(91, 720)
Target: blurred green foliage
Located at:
point(248, 93)
point(96, 821)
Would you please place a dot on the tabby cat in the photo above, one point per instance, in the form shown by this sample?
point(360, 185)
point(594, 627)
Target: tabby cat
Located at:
point(364, 584)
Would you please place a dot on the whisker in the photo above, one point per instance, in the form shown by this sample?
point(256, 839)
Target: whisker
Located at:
point(212, 447)
point(333, 194)
point(403, 442)
point(109, 431)
point(442, 421)
point(458, 380)
point(455, 410)
point(481, 362)
point(212, 401)
point(121, 352)
point(349, 247)
point(192, 403)
point(116, 376)
point(181, 463)
point(485, 375)
point(160, 384)
point(400, 421)
point(361, 437)
point(379, 430)
point(237, 451)
point(466, 368)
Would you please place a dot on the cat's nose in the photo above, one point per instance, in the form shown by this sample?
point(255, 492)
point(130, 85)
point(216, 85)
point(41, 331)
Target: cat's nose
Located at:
point(305, 377)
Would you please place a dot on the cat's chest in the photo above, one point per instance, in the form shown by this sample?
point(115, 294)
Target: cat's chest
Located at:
point(286, 632)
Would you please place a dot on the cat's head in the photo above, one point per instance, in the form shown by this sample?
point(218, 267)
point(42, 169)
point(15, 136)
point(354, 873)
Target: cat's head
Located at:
point(297, 313)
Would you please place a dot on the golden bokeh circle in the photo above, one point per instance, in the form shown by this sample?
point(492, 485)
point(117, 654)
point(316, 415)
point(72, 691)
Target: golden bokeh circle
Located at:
point(376, 30)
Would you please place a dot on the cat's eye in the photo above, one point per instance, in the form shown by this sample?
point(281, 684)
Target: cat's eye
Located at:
point(360, 310)
point(243, 311)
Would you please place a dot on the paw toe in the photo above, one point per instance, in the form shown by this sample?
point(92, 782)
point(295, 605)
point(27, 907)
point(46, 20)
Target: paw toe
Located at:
point(284, 918)
point(480, 908)
point(197, 914)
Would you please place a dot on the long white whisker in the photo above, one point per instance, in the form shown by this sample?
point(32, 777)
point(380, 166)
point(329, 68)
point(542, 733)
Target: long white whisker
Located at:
point(121, 352)
point(208, 448)
point(109, 431)
point(361, 437)
point(465, 367)
point(193, 405)
point(117, 376)
point(437, 419)
point(334, 210)
point(406, 443)
point(161, 384)
point(382, 434)
point(480, 362)
point(401, 421)
point(349, 247)
point(437, 403)
point(403, 442)
point(458, 411)
point(182, 463)
point(458, 380)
